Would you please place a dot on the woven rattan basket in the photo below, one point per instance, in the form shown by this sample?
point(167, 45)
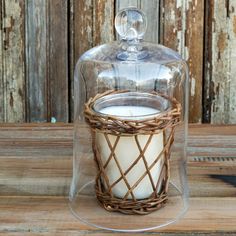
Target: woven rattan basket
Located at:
point(116, 127)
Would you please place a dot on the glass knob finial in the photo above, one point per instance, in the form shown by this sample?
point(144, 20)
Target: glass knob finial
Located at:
point(131, 23)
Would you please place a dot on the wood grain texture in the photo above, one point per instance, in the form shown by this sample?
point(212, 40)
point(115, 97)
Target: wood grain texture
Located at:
point(121, 4)
point(82, 27)
point(172, 24)
point(51, 216)
point(91, 24)
point(36, 60)
point(1, 67)
point(182, 29)
point(103, 21)
point(13, 80)
point(58, 61)
point(81, 37)
point(151, 9)
point(194, 55)
point(40, 42)
point(37, 159)
point(44, 152)
point(71, 58)
point(47, 60)
point(220, 74)
point(208, 86)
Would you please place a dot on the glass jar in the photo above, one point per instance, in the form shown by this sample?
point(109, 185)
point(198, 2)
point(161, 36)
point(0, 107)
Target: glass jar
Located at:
point(130, 132)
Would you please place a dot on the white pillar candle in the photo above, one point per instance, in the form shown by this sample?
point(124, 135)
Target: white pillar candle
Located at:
point(127, 152)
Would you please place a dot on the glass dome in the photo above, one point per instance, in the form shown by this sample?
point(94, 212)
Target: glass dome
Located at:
point(130, 132)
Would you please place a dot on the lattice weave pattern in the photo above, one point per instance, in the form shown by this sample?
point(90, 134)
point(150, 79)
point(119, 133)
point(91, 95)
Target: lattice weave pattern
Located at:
point(113, 130)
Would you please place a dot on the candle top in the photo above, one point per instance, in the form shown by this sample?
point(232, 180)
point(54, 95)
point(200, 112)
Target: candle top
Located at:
point(131, 105)
point(130, 112)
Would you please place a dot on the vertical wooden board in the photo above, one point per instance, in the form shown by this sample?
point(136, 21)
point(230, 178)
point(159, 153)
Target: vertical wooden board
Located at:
point(151, 9)
point(58, 61)
point(121, 4)
point(172, 24)
point(194, 54)
point(36, 60)
point(207, 83)
point(13, 60)
point(81, 35)
point(221, 73)
point(1, 67)
point(220, 107)
point(71, 59)
point(103, 21)
point(83, 26)
point(232, 61)
point(182, 29)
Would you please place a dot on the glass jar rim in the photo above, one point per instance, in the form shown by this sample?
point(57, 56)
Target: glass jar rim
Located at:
point(134, 99)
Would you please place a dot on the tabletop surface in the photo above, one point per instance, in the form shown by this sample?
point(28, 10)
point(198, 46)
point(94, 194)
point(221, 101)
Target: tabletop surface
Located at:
point(36, 169)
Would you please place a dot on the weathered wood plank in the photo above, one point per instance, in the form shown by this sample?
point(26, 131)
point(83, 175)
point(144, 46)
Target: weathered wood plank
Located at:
point(13, 60)
point(172, 25)
point(182, 29)
point(26, 163)
point(194, 55)
point(121, 4)
point(37, 159)
point(49, 173)
point(82, 26)
point(47, 60)
point(232, 60)
point(2, 109)
point(36, 60)
point(207, 83)
point(81, 34)
point(103, 16)
point(71, 58)
point(58, 60)
point(91, 24)
point(50, 216)
point(36, 131)
point(220, 73)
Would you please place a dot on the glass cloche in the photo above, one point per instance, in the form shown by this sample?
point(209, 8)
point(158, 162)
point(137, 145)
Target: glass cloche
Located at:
point(130, 132)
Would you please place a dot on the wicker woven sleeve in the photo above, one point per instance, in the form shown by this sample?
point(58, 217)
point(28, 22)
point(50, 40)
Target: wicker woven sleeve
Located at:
point(110, 125)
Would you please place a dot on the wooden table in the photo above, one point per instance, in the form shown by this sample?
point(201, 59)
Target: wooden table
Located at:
point(35, 173)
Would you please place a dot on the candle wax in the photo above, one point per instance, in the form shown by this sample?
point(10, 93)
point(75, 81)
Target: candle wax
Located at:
point(131, 112)
point(127, 152)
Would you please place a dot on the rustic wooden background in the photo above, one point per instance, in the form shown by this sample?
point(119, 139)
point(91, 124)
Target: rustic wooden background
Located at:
point(40, 42)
